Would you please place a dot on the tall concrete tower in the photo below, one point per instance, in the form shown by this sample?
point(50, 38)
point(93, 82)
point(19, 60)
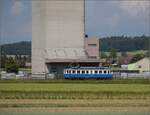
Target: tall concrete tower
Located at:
point(57, 33)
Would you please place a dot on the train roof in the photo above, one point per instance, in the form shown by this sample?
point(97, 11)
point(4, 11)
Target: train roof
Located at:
point(87, 68)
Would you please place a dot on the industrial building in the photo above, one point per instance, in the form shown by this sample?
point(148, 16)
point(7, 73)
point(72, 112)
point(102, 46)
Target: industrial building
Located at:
point(58, 31)
point(91, 46)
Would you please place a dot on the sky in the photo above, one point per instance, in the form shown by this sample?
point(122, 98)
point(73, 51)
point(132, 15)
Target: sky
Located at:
point(103, 18)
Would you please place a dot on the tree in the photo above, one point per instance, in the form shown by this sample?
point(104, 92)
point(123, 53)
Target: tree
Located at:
point(147, 53)
point(103, 55)
point(136, 58)
point(11, 66)
point(124, 54)
point(3, 60)
point(113, 53)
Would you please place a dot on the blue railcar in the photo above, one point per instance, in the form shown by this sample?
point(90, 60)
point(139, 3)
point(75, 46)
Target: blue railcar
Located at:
point(87, 73)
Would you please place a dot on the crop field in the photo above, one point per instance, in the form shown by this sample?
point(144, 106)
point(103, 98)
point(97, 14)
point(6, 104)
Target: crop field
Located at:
point(75, 97)
point(64, 91)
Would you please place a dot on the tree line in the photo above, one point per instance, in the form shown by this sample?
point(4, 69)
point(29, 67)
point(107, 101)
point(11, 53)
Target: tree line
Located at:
point(12, 64)
point(124, 43)
point(120, 43)
point(19, 48)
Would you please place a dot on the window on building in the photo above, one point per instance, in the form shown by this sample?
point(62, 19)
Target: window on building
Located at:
point(93, 57)
point(53, 69)
point(139, 66)
point(93, 45)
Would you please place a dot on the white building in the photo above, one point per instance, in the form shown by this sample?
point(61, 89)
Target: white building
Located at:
point(57, 34)
point(142, 65)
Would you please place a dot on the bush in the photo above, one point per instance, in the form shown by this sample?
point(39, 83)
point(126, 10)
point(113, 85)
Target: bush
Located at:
point(11, 66)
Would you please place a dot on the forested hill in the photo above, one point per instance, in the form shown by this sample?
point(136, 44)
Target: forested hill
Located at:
point(19, 48)
point(122, 43)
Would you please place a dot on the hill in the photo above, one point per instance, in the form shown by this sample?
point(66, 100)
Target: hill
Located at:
point(120, 43)
point(123, 43)
point(19, 48)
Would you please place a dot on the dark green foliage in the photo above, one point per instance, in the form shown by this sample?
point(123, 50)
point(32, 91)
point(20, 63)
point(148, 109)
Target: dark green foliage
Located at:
point(11, 66)
point(113, 53)
point(123, 43)
point(147, 53)
point(120, 43)
point(20, 48)
point(3, 60)
point(137, 57)
point(124, 54)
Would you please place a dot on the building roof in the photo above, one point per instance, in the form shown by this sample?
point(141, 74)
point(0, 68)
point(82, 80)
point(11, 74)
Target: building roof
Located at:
point(142, 65)
point(66, 53)
point(72, 60)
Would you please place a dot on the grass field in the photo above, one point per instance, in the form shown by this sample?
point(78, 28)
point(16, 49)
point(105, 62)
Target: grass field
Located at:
point(64, 91)
point(75, 97)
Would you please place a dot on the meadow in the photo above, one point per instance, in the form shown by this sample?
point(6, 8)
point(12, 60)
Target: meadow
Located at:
point(58, 96)
point(72, 90)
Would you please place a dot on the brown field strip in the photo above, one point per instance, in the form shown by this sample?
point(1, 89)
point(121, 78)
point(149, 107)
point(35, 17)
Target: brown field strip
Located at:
point(51, 105)
point(78, 109)
point(77, 101)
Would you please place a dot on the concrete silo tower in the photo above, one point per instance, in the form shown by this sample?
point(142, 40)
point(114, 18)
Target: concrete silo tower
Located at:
point(57, 34)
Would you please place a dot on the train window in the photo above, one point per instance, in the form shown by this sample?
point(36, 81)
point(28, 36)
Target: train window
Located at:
point(100, 71)
point(87, 71)
point(69, 71)
point(108, 72)
point(78, 72)
point(95, 71)
point(91, 72)
point(104, 71)
point(83, 71)
point(65, 71)
point(73, 71)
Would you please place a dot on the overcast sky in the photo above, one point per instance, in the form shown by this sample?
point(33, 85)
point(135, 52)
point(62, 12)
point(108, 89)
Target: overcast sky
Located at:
point(103, 18)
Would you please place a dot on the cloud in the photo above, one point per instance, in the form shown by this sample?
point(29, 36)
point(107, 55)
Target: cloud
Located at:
point(134, 8)
point(17, 7)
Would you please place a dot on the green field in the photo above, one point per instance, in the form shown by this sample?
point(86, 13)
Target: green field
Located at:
point(129, 97)
point(64, 91)
point(62, 87)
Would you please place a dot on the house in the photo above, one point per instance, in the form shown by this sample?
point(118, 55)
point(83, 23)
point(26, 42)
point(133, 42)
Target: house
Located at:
point(142, 65)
